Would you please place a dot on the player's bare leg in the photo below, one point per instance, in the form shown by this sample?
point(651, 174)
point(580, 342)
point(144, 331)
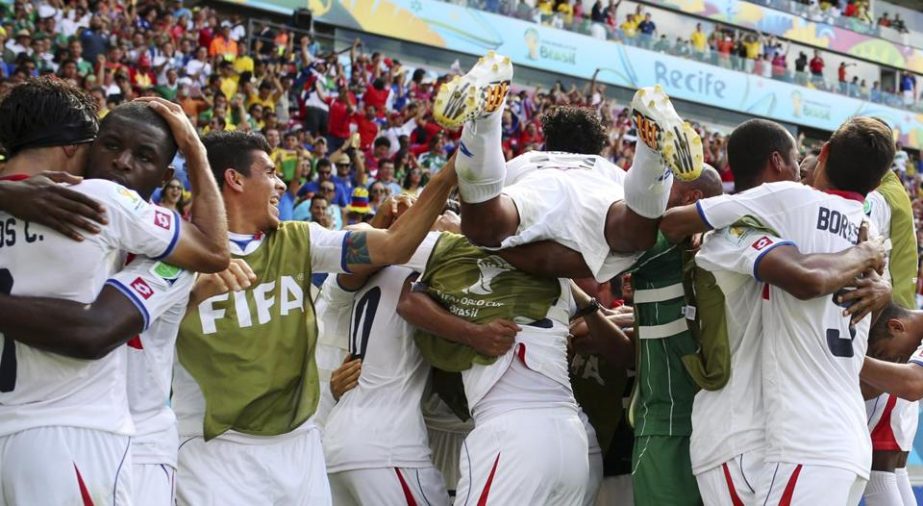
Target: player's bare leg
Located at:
point(476, 101)
point(667, 147)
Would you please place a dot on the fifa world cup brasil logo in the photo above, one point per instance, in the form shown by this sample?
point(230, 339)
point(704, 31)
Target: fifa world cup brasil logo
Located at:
point(490, 268)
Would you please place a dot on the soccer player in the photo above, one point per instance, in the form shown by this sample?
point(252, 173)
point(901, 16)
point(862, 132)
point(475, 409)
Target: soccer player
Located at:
point(246, 382)
point(893, 421)
point(74, 414)
point(520, 398)
point(813, 356)
point(661, 469)
point(896, 331)
point(507, 204)
point(369, 462)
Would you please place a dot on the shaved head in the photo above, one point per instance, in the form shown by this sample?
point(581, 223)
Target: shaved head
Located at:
point(687, 192)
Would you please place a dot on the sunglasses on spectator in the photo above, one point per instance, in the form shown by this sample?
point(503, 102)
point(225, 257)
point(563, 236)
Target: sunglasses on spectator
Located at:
point(174, 187)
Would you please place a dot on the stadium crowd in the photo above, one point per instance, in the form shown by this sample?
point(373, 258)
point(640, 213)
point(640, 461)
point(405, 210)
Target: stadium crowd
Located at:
point(349, 132)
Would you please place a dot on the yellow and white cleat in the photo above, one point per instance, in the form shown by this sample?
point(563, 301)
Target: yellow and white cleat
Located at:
point(478, 93)
point(665, 133)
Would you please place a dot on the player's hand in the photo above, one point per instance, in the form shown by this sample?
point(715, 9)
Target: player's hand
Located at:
point(238, 276)
point(391, 209)
point(874, 251)
point(585, 342)
point(187, 139)
point(871, 294)
point(40, 199)
point(495, 338)
point(448, 222)
point(346, 377)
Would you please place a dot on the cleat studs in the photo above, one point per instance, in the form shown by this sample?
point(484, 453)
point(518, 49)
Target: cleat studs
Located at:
point(495, 68)
point(651, 104)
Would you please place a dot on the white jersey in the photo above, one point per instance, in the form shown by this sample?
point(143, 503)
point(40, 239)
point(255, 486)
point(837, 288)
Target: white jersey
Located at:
point(730, 421)
point(333, 306)
point(39, 388)
point(150, 356)
point(328, 254)
point(390, 388)
point(814, 410)
point(549, 189)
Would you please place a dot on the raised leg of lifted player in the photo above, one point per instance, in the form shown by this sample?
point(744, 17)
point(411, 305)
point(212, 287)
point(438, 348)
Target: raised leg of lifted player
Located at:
point(670, 147)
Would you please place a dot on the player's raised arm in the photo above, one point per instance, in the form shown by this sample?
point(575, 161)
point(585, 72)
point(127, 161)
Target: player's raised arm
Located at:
point(681, 222)
point(203, 246)
point(397, 244)
point(491, 339)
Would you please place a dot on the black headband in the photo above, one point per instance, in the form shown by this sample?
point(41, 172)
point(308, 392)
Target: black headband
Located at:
point(79, 131)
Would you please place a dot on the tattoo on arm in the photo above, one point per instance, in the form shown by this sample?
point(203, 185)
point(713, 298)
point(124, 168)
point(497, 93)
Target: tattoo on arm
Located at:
point(357, 249)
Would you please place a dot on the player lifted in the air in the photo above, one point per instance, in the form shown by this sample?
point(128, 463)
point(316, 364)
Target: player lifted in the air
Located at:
point(508, 204)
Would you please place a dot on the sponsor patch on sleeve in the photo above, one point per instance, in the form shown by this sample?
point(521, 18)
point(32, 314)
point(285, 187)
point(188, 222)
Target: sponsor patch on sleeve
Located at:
point(140, 287)
point(761, 243)
point(163, 219)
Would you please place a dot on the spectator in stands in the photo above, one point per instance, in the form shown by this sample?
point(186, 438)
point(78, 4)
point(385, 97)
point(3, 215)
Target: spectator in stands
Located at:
point(699, 42)
point(681, 47)
point(386, 178)
point(908, 88)
point(801, 64)
point(724, 46)
point(662, 45)
point(647, 28)
point(884, 20)
point(414, 182)
point(842, 78)
point(222, 45)
point(318, 207)
point(433, 160)
point(817, 69)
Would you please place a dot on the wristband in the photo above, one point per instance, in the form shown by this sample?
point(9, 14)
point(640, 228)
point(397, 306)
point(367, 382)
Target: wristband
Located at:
point(592, 307)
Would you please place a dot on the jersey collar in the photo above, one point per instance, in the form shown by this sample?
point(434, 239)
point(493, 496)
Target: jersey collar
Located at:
point(858, 197)
point(244, 244)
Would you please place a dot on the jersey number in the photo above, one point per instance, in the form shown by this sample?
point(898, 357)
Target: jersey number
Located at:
point(363, 317)
point(840, 346)
point(8, 358)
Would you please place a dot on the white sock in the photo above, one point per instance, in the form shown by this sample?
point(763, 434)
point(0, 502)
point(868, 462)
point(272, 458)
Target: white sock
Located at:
point(906, 489)
point(882, 490)
point(480, 164)
point(648, 183)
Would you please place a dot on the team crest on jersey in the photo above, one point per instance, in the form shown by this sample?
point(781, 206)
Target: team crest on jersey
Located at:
point(141, 287)
point(489, 268)
point(761, 243)
point(163, 219)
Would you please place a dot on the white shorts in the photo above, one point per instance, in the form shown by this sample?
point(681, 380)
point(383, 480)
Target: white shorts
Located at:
point(388, 486)
point(569, 205)
point(446, 447)
point(154, 485)
point(594, 479)
point(527, 456)
point(892, 422)
point(734, 482)
point(65, 465)
point(808, 485)
point(289, 471)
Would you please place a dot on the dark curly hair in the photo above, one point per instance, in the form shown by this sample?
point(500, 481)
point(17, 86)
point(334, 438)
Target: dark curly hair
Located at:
point(573, 130)
point(44, 112)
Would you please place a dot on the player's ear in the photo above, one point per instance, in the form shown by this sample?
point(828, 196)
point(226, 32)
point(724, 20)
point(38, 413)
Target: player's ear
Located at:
point(70, 150)
point(234, 180)
point(895, 327)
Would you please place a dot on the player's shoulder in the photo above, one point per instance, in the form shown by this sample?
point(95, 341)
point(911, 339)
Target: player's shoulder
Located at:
point(779, 188)
point(109, 192)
